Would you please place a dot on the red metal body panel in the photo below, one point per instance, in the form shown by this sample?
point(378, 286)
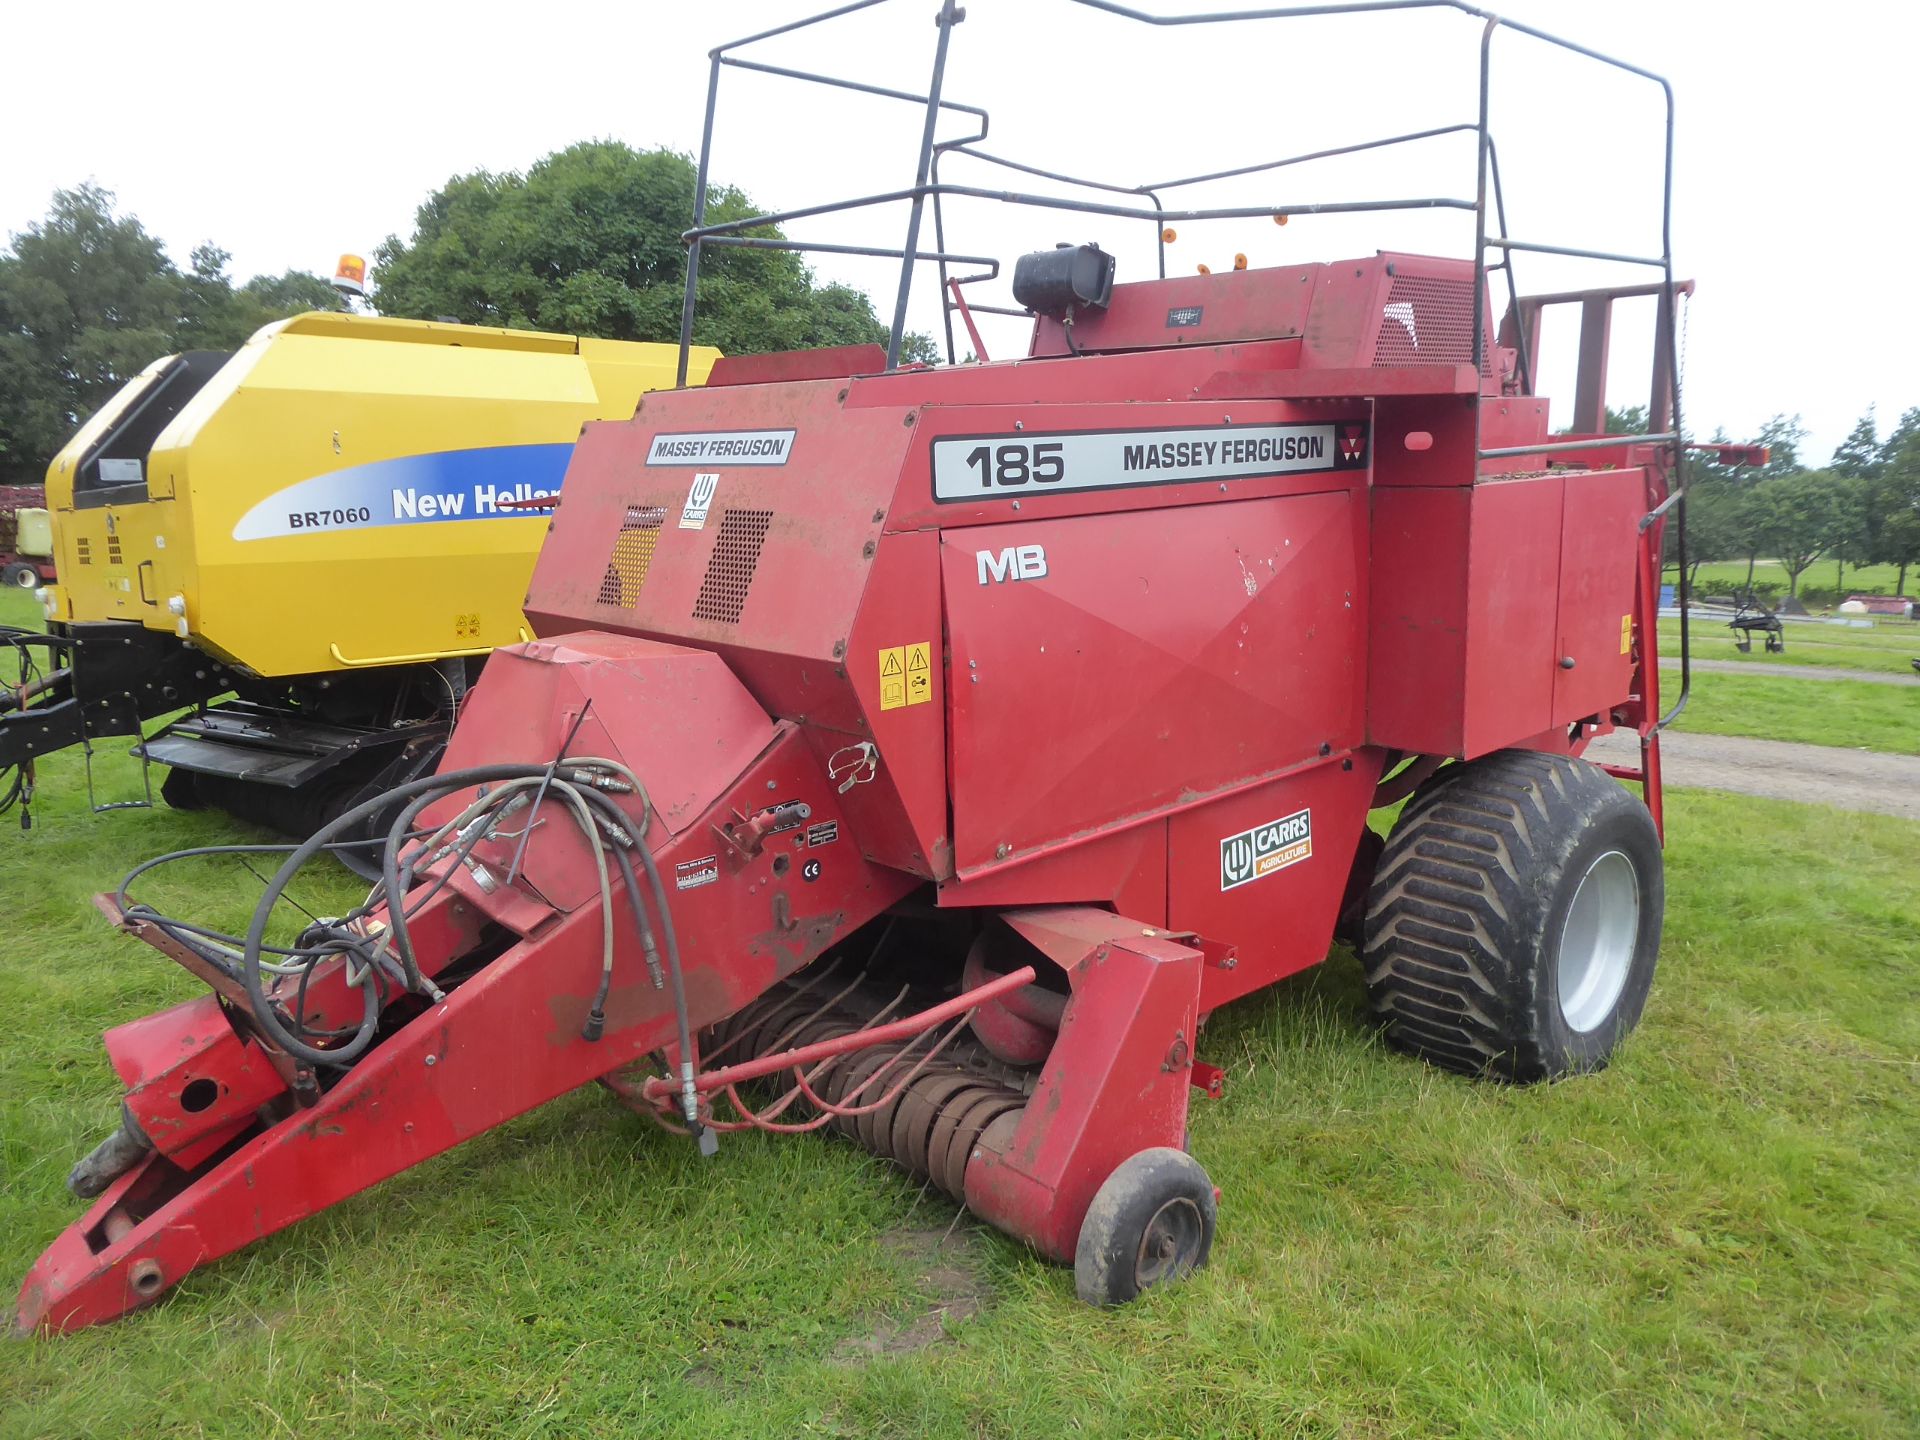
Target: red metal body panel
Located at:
point(1599, 535)
point(1513, 568)
point(1279, 922)
point(1115, 1082)
point(192, 1081)
point(1481, 593)
point(1164, 655)
point(1124, 869)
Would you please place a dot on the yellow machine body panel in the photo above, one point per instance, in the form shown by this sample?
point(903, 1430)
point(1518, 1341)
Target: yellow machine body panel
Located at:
point(335, 495)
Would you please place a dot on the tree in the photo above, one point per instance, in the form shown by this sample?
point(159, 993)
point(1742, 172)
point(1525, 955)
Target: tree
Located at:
point(1796, 519)
point(87, 299)
point(1897, 498)
point(1630, 421)
point(1848, 532)
point(1858, 456)
point(588, 242)
point(220, 317)
point(1783, 435)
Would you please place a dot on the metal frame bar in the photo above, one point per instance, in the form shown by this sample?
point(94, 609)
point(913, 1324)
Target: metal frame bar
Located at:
point(927, 183)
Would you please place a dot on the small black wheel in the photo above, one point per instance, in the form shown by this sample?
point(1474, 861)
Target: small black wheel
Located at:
point(1514, 922)
point(20, 576)
point(1151, 1223)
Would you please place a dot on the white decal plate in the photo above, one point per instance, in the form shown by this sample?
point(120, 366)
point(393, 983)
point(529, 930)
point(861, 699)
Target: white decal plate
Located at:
point(693, 515)
point(990, 467)
point(1263, 850)
point(692, 874)
point(716, 447)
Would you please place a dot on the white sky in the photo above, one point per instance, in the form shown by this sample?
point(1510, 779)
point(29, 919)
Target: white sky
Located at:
point(290, 133)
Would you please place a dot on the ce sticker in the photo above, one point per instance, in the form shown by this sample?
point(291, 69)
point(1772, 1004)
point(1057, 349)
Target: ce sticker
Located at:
point(810, 871)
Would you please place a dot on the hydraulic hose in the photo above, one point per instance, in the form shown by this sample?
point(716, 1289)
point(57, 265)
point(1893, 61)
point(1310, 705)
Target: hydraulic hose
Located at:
point(297, 860)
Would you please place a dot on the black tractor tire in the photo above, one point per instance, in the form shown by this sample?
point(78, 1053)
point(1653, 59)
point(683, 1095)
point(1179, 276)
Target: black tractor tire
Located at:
point(1514, 921)
point(20, 576)
point(1150, 1223)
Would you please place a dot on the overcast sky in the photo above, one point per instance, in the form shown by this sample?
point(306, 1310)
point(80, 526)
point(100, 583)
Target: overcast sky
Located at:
point(289, 133)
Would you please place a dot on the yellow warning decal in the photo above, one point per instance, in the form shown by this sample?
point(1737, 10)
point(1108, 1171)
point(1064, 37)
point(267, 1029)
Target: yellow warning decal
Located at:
point(893, 677)
point(919, 675)
point(1626, 633)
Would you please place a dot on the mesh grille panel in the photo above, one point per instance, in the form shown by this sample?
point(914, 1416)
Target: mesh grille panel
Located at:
point(113, 550)
point(83, 550)
point(632, 555)
point(1427, 321)
point(736, 554)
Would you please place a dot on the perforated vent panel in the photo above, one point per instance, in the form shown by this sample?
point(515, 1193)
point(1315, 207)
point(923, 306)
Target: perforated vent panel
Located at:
point(736, 555)
point(83, 550)
point(632, 555)
point(113, 550)
point(1427, 321)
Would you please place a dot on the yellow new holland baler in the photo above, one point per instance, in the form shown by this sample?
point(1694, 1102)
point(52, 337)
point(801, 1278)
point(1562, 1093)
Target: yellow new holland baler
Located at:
point(335, 523)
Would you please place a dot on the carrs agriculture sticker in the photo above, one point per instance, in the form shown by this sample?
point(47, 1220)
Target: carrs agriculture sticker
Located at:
point(693, 515)
point(1254, 854)
point(731, 447)
point(977, 467)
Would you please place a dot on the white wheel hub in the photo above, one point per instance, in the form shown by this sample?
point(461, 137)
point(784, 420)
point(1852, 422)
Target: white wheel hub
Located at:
point(1597, 941)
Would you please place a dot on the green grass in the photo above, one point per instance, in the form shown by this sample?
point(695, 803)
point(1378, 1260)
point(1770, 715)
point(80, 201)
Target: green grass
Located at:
point(1726, 576)
point(1888, 647)
point(1712, 1238)
point(1848, 713)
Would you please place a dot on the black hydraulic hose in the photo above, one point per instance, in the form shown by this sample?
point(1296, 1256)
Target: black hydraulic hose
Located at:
point(195, 852)
point(391, 881)
point(305, 851)
point(688, 1096)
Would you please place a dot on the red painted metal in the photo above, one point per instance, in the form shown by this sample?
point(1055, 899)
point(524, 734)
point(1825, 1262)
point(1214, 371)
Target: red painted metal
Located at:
point(829, 363)
point(1140, 719)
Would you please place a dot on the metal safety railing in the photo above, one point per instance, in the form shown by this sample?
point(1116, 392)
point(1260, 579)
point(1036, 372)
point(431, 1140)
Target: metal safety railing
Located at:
point(1146, 202)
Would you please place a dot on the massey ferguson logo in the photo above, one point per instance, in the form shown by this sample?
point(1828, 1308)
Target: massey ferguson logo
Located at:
point(1353, 444)
point(1264, 849)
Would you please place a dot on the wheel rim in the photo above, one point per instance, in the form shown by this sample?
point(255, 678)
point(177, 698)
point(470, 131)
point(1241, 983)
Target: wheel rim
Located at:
point(1170, 1243)
point(1598, 939)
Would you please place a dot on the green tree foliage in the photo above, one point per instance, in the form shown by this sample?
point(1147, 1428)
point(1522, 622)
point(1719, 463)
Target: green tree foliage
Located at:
point(587, 242)
point(1783, 435)
point(1797, 516)
point(1630, 421)
point(1858, 456)
point(1896, 503)
point(88, 299)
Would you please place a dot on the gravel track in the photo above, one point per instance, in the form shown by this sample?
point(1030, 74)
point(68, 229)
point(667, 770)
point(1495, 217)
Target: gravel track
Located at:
point(1865, 780)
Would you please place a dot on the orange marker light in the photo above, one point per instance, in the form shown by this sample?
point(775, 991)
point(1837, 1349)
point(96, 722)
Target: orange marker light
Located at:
point(1279, 219)
point(1169, 235)
point(1205, 269)
point(1239, 262)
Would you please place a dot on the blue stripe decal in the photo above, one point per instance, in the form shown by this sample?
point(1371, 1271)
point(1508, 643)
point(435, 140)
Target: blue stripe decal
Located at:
point(412, 490)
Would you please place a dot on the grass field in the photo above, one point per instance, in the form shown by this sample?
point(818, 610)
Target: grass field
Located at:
point(1888, 647)
point(1848, 713)
point(1726, 576)
point(1714, 1237)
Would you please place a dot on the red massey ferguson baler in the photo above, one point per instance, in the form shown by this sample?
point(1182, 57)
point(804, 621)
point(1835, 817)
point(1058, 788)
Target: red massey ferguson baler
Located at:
point(927, 754)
